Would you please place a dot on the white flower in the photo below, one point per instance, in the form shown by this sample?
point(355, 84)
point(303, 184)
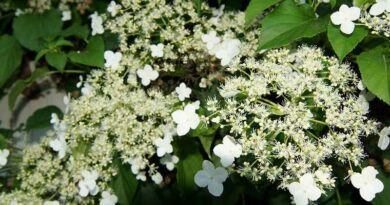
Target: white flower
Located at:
point(384, 139)
point(66, 101)
point(367, 183)
point(51, 203)
point(211, 177)
point(3, 157)
point(141, 176)
point(196, 104)
point(66, 15)
point(345, 17)
point(112, 59)
point(87, 89)
point(323, 177)
point(211, 40)
point(113, 8)
point(88, 184)
point(137, 164)
point(169, 161)
point(108, 198)
point(203, 83)
point(147, 74)
point(186, 119)
point(304, 190)
point(59, 145)
point(157, 50)
point(227, 50)
point(19, 12)
point(183, 91)
point(228, 150)
point(163, 146)
point(379, 7)
point(81, 81)
point(54, 120)
point(96, 24)
point(169, 131)
point(217, 14)
point(157, 178)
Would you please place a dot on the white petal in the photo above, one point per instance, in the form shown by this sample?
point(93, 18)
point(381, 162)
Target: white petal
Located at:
point(347, 27)
point(344, 9)
point(376, 186)
point(220, 174)
point(182, 129)
point(369, 172)
point(83, 191)
point(354, 13)
point(55, 145)
point(194, 121)
point(356, 180)
point(385, 131)
point(170, 166)
point(383, 142)
point(226, 157)
point(202, 178)
point(153, 75)
point(307, 180)
point(366, 193)
point(336, 18)
point(157, 178)
point(208, 166)
point(160, 151)
point(94, 191)
point(377, 8)
point(301, 199)
point(295, 188)
point(215, 188)
point(233, 146)
point(178, 116)
point(145, 81)
point(313, 193)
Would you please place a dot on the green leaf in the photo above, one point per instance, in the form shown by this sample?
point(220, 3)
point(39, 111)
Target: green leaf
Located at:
point(92, 55)
point(124, 184)
point(34, 30)
point(20, 85)
point(343, 44)
point(41, 117)
point(190, 162)
point(206, 142)
point(3, 142)
point(255, 8)
point(203, 130)
point(10, 57)
point(333, 3)
point(56, 59)
point(288, 23)
point(77, 30)
point(374, 66)
point(60, 42)
point(363, 3)
point(383, 197)
point(198, 5)
point(40, 54)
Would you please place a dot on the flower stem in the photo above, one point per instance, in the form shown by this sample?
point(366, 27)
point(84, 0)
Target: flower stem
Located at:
point(338, 197)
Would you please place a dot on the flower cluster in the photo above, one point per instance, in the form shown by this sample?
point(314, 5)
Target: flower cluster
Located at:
point(378, 24)
point(291, 112)
point(63, 5)
point(377, 19)
point(284, 114)
point(124, 113)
